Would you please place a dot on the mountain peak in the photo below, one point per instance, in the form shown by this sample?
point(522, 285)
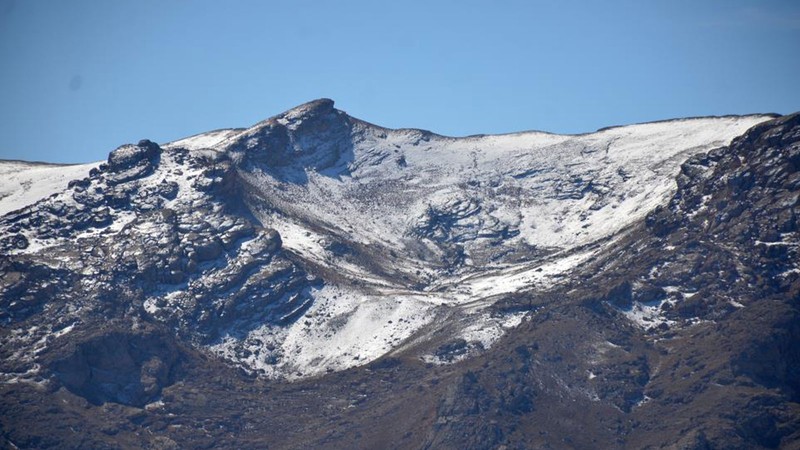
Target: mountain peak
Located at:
point(311, 135)
point(309, 110)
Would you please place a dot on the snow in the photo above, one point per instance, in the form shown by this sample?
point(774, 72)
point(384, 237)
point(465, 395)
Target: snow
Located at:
point(522, 277)
point(203, 140)
point(380, 202)
point(30, 376)
point(343, 328)
point(64, 330)
point(24, 183)
point(153, 406)
point(736, 304)
point(487, 329)
point(647, 315)
point(645, 400)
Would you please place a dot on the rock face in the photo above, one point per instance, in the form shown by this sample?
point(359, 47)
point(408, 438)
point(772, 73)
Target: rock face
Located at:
point(130, 156)
point(122, 368)
point(313, 135)
point(359, 287)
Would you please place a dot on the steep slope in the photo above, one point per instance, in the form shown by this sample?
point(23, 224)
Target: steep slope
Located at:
point(149, 236)
point(401, 222)
point(708, 286)
point(23, 183)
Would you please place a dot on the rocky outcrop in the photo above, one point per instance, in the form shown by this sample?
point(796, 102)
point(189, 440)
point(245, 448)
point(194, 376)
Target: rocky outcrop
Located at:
point(154, 235)
point(132, 161)
point(120, 367)
point(314, 136)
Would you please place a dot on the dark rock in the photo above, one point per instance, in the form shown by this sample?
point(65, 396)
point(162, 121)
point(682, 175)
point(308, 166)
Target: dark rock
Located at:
point(338, 248)
point(129, 156)
point(168, 189)
point(82, 183)
point(313, 135)
point(17, 241)
point(649, 294)
point(620, 295)
point(452, 350)
point(125, 368)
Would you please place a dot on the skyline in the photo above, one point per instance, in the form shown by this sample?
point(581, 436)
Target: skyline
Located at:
point(85, 77)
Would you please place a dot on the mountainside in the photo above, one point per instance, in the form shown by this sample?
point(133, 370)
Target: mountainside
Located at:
point(23, 183)
point(319, 281)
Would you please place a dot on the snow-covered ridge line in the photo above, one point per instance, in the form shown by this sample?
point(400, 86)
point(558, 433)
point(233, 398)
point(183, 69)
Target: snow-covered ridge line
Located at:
point(18, 175)
point(425, 131)
point(216, 137)
point(208, 139)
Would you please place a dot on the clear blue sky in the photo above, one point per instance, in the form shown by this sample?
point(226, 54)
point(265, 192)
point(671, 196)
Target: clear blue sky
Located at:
point(78, 78)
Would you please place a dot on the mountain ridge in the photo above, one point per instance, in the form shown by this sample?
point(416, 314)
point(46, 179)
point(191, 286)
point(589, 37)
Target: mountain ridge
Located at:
point(402, 282)
point(430, 244)
point(512, 133)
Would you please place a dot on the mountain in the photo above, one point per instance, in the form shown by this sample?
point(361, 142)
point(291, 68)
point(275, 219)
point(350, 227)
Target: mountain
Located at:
point(319, 281)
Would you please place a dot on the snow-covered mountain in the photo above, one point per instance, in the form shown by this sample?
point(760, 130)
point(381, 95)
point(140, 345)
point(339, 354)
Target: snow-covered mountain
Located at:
point(316, 281)
point(313, 241)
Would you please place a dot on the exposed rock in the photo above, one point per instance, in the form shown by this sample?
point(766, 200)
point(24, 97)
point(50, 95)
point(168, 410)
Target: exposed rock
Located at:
point(130, 369)
point(129, 156)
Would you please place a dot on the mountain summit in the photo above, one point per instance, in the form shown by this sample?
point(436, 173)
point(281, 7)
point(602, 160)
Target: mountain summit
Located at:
point(529, 270)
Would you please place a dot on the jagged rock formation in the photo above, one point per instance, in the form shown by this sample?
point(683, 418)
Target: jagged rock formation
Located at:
point(130, 242)
point(472, 292)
